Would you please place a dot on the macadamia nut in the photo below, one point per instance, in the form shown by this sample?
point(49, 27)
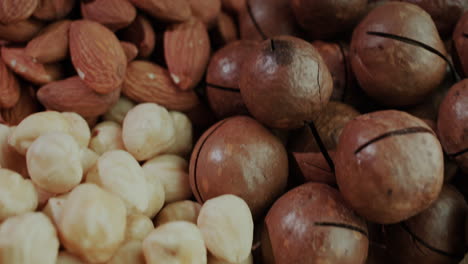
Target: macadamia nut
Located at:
point(79, 128)
point(179, 211)
point(119, 110)
point(183, 133)
point(107, 136)
point(138, 227)
point(17, 195)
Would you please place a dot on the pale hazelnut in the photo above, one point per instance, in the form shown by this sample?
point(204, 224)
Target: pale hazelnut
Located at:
point(227, 227)
point(43, 196)
point(175, 242)
point(54, 162)
point(67, 258)
point(130, 252)
point(106, 136)
point(183, 133)
point(28, 238)
point(79, 128)
point(147, 131)
point(9, 158)
point(213, 260)
point(138, 227)
point(88, 159)
point(17, 195)
point(119, 110)
point(92, 223)
point(156, 195)
point(179, 211)
point(54, 206)
point(172, 171)
point(119, 173)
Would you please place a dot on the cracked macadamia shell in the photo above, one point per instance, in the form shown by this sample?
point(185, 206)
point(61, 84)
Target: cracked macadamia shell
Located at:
point(389, 166)
point(393, 72)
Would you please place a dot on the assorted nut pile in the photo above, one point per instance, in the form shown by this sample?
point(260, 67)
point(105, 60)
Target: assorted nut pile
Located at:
point(233, 131)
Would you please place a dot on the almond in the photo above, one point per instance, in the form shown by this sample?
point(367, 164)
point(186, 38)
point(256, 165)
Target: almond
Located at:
point(9, 87)
point(26, 67)
point(22, 31)
point(187, 51)
point(233, 6)
point(225, 30)
point(166, 10)
point(141, 33)
point(206, 10)
point(52, 43)
point(148, 82)
point(72, 95)
point(53, 9)
point(131, 51)
point(12, 11)
point(26, 106)
point(114, 14)
point(97, 56)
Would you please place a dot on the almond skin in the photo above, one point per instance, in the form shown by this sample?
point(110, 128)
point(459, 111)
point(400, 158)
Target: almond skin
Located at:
point(141, 33)
point(97, 56)
point(148, 82)
point(234, 6)
point(166, 10)
point(27, 68)
point(12, 11)
point(9, 87)
point(22, 31)
point(206, 10)
point(53, 9)
point(72, 95)
point(187, 52)
point(26, 106)
point(114, 14)
point(51, 45)
point(131, 51)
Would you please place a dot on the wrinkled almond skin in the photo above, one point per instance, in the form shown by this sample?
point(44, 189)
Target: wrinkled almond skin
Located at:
point(12, 11)
point(187, 51)
point(130, 49)
point(114, 14)
point(26, 105)
point(24, 66)
point(166, 10)
point(53, 9)
point(148, 82)
point(9, 87)
point(72, 95)
point(22, 31)
point(97, 56)
point(141, 33)
point(206, 10)
point(52, 43)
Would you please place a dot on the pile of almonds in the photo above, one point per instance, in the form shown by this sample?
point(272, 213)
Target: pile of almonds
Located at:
point(233, 131)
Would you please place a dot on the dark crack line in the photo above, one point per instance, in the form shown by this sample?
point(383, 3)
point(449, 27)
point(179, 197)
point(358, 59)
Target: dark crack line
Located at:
point(254, 21)
point(315, 166)
point(322, 147)
point(419, 44)
point(345, 226)
point(404, 131)
point(318, 83)
point(456, 154)
point(219, 87)
point(346, 71)
point(272, 45)
point(422, 242)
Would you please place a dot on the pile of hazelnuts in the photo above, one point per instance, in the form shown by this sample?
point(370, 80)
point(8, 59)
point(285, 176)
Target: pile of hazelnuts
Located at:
point(344, 127)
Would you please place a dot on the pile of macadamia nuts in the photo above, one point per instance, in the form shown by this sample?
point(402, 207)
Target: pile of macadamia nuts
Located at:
point(233, 131)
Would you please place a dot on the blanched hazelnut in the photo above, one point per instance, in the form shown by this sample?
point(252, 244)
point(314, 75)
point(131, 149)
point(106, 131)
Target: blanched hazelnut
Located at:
point(179, 211)
point(54, 162)
point(17, 195)
point(119, 173)
point(79, 128)
point(88, 159)
point(118, 111)
point(28, 238)
point(173, 172)
point(9, 158)
point(227, 227)
point(183, 133)
point(129, 253)
point(175, 242)
point(213, 260)
point(67, 258)
point(43, 196)
point(54, 206)
point(148, 130)
point(92, 223)
point(106, 136)
point(138, 227)
point(156, 196)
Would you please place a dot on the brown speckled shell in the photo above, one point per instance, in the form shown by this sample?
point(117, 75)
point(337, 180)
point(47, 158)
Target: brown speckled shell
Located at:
point(393, 72)
point(460, 43)
point(239, 156)
point(285, 82)
point(295, 233)
point(393, 178)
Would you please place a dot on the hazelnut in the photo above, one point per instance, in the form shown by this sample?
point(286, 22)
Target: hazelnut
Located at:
point(106, 136)
point(18, 195)
point(213, 260)
point(148, 130)
point(119, 110)
point(9, 157)
point(179, 211)
point(88, 159)
point(183, 134)
point(138, 227)
point(67, 258)
point(157, 195)
point(43, 196)
point(129, 252)
point(79, 128)
point(227, 227)
point(54, 207)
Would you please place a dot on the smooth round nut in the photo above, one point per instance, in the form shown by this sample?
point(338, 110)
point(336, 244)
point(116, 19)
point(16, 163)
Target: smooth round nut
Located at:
point(54, 162)
point(129, 253)
point(28, 238)
point(213, 260)
point(67, 258)
point(9, 157)
point(92, 223)
point(183, 134)
point(138, 227)
point(179, 211)
point(175, 242)
point(157, 195)
point(18, 195)
point(43, 196)
point(79, 128)
point(119, 110)
point(148, 130)
point(88, 159)
point(172, 171)
point(106, 136)
point(54, 207)
point(119, 173)
point(227, 227)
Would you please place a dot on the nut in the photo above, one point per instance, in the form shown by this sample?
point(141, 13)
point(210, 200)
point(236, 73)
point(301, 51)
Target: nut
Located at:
point(147, 131)
point(22, 31)
point(167, 10)
point(53, 9)
point(172, 171)
point(141, 33)
point(43, 196)
point(26, 106)
point(22, 242)
point(179, 211)
point(67, 258)
point(227, 227)
point(93, 46)
point(175, 242)
point(206, 10)
point(233, 5)
point(51, 45)
point(213, 260)
point(107, 136)
point(114, 14)
point(131, 185)
point(79, 128)
point(91, 236)
point(15, 11)
point(9, 87)
point(54, 207)
point(157, 196)
point(130, 49)
point(9, 158)
point(119, 110)
point(54, 162)
point(18, 195)
point(138, 227)
point(88, 159)
point(183, 131)
point(129, 252)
